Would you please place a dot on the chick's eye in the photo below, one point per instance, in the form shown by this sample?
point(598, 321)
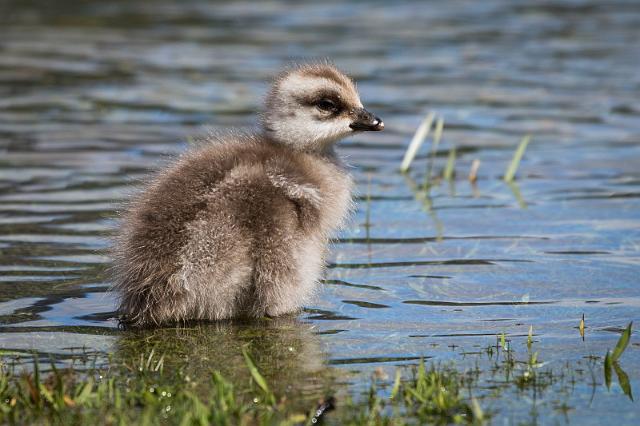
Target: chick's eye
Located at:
point(327, 105)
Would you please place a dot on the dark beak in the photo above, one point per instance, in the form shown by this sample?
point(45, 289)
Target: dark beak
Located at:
point(366, 121)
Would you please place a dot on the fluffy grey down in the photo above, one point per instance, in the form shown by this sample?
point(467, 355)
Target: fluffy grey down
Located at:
point(239, 226)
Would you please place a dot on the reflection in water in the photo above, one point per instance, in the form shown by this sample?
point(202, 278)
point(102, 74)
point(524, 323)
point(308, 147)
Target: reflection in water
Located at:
point(515, 189)
point(287, 351)
point(424, 197)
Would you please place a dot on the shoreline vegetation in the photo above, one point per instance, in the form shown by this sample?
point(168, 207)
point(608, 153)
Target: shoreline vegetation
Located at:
point(147, 393)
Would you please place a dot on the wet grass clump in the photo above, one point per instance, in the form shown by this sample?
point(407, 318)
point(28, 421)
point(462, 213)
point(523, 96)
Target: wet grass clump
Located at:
point(146, 391)
point(141, 394)
point(431, 395)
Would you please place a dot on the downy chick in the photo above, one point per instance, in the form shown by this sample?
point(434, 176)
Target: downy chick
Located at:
point(240, 226)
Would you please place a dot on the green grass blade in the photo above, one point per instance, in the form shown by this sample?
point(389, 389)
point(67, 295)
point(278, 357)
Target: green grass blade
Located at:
point(623, 342)
point(396, 385)
point(416, 395)
point(148, 363)
point(418, 138)
point(257, 377)
point(85, 392)
point(607, 370)
point(437, 135)
point(476, 410)
point(510, 174)
point(451, 165)
point(623, 379)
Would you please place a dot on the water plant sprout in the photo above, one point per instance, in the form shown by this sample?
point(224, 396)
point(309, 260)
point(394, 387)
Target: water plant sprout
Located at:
point(421, 134)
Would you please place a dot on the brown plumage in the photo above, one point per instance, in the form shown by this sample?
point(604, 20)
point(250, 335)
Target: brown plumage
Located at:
point(238, 227)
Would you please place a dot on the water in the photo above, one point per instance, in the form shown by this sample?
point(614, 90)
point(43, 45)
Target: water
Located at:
point(94, 96)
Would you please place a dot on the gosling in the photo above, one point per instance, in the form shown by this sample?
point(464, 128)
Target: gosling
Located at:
point(240, 226)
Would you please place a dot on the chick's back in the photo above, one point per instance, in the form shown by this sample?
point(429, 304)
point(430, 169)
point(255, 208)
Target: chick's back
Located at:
point(206, 231)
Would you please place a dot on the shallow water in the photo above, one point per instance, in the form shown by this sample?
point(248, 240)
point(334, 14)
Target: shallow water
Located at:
point(93, 97)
